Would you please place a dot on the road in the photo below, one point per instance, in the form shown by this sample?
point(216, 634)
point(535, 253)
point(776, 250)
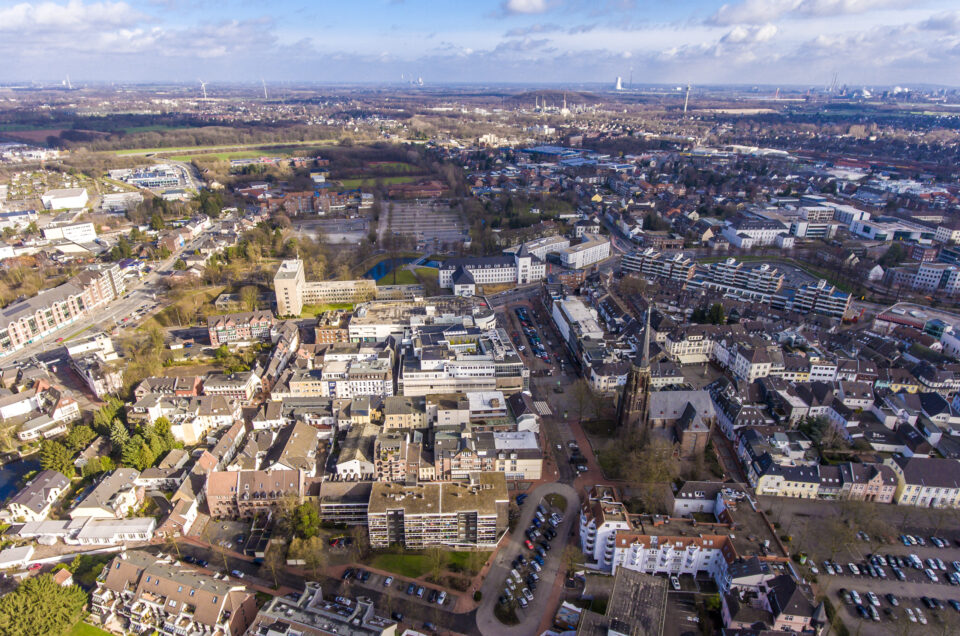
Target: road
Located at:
point(493, 585)
point(142, 292)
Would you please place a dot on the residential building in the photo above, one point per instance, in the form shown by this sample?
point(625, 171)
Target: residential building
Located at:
point(237, 386)
point(247, 327)
point(245, 493)
point(34, 501)
point(462, 515)
point(115, 496)
point(650, 262)
point(308, 614)
point(143, 593)
point(592, 249)
point(601, 517)
point(926, 482)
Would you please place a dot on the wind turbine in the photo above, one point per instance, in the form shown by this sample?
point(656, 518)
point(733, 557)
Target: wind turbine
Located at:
point(264, 82)
point(686, 100)
point(203, 87)
point(69, 86)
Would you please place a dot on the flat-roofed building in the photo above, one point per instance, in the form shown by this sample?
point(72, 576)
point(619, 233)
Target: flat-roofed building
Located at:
point(592, 249)
point(309, 614)
point(471, 514)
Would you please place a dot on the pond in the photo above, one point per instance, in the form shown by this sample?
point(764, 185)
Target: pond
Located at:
point(385, 266)
point(10, 475)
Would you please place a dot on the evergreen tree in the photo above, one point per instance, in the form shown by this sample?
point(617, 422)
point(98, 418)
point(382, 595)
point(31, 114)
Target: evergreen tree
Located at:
point(39, 607)
point(55, 456)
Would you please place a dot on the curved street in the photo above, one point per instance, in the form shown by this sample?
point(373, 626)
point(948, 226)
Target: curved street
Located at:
point(550, 582)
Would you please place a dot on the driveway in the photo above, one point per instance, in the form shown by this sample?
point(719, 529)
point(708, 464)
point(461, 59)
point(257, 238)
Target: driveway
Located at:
point(487, 623)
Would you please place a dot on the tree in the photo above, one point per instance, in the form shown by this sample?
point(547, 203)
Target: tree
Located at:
point(438, 561)
point(572, 557)
point(179, 265)
point(55, 456)
point(156, 222)
point(651, 468)
point(716, 314)
point(39, 607)
point(581, 395)
point(118, 433)
point(273, 560)
point(249, 297)
point(79, 437)
point(361, 541)
point(306, 521)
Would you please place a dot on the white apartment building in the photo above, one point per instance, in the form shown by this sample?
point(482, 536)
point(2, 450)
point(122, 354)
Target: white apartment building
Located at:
point(947, 234)
point(732, 277)
point(673, 555)
point(592, 250)
point(600, 521)
point(745, 233)
point(542, 246)
point(650, 262)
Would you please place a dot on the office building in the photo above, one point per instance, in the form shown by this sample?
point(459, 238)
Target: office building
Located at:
point(293, 291)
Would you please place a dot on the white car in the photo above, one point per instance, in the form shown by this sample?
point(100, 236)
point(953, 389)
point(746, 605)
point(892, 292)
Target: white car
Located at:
point(873, 599)
point(675, 582)
point(527, 594)
point(853, 569)
point(920, 616)
point(911, 615)
point(931, 575)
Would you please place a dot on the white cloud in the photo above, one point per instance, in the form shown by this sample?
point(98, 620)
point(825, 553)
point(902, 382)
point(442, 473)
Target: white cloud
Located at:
point(72, 16)
point(761, 11)
point(525, 6)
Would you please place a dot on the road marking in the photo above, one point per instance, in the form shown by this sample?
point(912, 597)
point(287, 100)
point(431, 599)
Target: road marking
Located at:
point(542, 408)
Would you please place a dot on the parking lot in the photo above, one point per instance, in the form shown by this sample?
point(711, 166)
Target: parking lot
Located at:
point(875, 529)
point(412, 602)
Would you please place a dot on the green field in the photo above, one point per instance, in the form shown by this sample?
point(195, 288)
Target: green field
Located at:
point(223, 156)
point(85, 629)
point(369, 181)
point(411, 566)
point(406, 277)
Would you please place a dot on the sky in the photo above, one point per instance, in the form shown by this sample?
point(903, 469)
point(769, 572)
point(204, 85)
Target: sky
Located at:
point(564, 42)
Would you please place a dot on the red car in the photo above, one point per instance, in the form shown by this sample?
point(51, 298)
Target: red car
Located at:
point(527, 543)
point(37, 566)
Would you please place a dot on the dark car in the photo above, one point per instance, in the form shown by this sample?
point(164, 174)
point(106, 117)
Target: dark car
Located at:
point(862, 611)
point(189, 559)
point(502, 600)
point(432, 597)
point(545, 545)
point(411, 589)
point(397, 616)
point(203, 563)
point(347, 574)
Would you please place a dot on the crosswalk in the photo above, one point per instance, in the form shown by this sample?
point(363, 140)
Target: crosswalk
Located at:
point(542, 407)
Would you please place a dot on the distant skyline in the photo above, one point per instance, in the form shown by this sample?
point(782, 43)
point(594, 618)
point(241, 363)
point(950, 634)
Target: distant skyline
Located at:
point(788, 42)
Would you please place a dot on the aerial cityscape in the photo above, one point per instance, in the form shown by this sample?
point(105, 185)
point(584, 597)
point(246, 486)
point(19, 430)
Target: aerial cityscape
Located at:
point(515, 318)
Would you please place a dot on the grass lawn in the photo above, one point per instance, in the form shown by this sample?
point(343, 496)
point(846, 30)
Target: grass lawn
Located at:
point(465, 561)
point(557, 501)
point(310, 311)
point(223, 156)
point(356, 183)
point(428, 272)
point(85, 629)
point(411, 566)
point(404, 277)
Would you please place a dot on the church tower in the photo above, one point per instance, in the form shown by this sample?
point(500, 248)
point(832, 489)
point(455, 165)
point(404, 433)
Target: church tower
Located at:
point(632, 408)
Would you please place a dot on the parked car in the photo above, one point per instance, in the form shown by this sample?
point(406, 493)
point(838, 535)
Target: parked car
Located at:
point(675, 582)
point(893, 600)
point(387, 582)
point(237, 573)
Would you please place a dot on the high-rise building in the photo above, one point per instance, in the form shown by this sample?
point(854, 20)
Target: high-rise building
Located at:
point(288, 285)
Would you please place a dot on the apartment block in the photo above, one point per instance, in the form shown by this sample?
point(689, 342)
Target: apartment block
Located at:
point(470, 514)
point(251, 326)
point(142, 593)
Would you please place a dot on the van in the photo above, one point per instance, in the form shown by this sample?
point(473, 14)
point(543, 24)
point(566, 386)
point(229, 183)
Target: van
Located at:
point(515, 575)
